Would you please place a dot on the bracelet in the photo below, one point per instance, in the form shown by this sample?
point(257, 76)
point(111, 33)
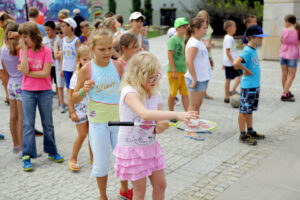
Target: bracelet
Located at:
point(80, 92)
point(118, 29)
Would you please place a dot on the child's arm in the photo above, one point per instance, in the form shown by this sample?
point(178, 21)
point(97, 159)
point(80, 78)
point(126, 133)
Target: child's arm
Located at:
point(172, 64)
point(134, 102)
point(24, 67)
point(56, 51)
point(191, 54)
point(41, 74)
point(61, 61)
point(120, 68)
point(229, 55)
point(237, 64)
point(5, 75)
point(161, 126)
point(73, 115)
point(83, 83)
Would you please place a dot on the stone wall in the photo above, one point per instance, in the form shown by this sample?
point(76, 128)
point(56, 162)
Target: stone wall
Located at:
point(274, 12)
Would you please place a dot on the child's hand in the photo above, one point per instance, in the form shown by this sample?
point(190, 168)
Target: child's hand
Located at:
point(174, 75)
point(13, 35)
point(62, 74)
point(23, 45)
point(161, 126)
point(211, 63)
point(223, 67)
point(212, 44)
point(74, 117)
point(247, 72)
point(88, 85)
point(193, 85)
point(186, 116)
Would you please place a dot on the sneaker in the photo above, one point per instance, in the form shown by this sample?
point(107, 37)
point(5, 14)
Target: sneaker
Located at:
point(27, 166)
point(290, 94)
point(226, 100)
point(287, 98)
point(126, 195)
point(2, 137)
point(247, 139)
point(56, 157)
point(256, 135)
point(62, 108)
point(38, 133)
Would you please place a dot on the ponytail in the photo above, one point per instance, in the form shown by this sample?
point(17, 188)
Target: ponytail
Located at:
point(297, 27)
point(187, 37)
point(194, 23)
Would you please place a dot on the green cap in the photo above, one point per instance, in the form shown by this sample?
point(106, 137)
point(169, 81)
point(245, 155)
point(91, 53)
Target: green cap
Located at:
point(180, 22)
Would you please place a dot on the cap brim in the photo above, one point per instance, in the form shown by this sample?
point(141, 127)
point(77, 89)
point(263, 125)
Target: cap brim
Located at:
point(261, 35)
point(60, 20)
point(183, 24)
point(142, 16)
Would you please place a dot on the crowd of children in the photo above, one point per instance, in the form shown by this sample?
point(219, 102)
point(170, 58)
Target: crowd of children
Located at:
point(110, 76)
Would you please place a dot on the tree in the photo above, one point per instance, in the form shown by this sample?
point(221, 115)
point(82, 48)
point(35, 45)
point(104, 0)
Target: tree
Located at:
point(112, 6)
point(136, 5)
point(148, 11)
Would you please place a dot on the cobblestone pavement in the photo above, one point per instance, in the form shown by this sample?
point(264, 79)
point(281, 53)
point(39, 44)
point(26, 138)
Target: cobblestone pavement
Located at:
point(194, 169)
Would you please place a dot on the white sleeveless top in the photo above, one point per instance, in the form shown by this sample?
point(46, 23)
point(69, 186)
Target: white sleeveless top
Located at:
point(69, 54)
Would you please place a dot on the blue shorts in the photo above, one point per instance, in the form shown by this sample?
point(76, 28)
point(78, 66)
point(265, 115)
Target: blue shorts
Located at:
point(200, 86)
point(68, 76)
point(249, 100)
point(288, 62)
point(102, 139)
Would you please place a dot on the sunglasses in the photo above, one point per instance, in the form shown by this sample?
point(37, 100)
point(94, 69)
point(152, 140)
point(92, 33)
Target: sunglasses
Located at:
point(155, 78)
point(60, 32)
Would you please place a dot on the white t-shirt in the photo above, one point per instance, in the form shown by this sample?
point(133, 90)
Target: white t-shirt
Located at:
point(201, 60)
point(80, 108)
point(229, 43)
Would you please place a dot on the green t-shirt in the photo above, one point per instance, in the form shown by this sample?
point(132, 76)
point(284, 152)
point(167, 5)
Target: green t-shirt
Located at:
point(1, 36)
point(176, 45)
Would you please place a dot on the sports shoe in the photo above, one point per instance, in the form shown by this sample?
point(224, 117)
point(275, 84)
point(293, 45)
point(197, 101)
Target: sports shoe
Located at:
point(2, 137)
point(27, 166)
point(287, 98)
point(256, 135)
point(38, 133)
point(290, 94)
point(56, 157)
point(247, 139)
point(126, 195)
point(62, 108)
point(226, 100)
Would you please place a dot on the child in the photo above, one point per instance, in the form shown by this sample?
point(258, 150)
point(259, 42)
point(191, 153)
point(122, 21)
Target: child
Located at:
point(49, 42)
point(248, 21)
point(197, 61)
point(250, 84)
point(100, 79)
point(208, 41)
point(138, 154)
point(60, 80)
point(129, 46)
point(85, 29)
point(78, 112)
point(229, 55)
point(289, 54)
point(136, 21)
point(10, 62)
point(33, 14)
point(177, 66)
point(70, 44)
point(36, 61)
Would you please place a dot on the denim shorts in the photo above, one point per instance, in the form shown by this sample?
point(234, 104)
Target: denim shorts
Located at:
point(200, 86)
point(289, 62)
point(103, 138)
point(249, 100)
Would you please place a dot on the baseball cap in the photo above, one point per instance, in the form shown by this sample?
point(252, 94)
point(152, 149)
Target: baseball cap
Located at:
point(256, 31)
point(180, 22)
point(171, 32)
point(69, 21)
point(136, 15)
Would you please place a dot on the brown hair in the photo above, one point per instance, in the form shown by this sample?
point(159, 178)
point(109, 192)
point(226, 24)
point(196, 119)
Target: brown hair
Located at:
point(228, 24)
point(98, 23)
point(33, 12)
point(194, 23)
point(248, 19)
point(108, 14)
point(31, 29)
point(120, 19)
point(11, 43)
point(5, 17)
point(293, 20)
point(127, 39)
point(202, 13)
point(84, 24)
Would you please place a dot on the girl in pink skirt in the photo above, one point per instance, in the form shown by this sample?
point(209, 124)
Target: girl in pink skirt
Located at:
point(138, 154)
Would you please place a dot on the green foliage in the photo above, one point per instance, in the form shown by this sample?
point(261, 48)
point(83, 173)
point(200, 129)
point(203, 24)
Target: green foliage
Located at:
point(112, 6)
point(148, 11)
point(136, 5)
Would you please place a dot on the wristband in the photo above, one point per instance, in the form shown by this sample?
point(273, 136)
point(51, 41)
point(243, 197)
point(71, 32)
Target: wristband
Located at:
point(80, 92)
point(118, 29)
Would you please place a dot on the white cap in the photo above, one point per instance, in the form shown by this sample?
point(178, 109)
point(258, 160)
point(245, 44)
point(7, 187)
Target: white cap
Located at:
point(69, 21)
point(136, 15)
point(171, 32)
point(76, 11)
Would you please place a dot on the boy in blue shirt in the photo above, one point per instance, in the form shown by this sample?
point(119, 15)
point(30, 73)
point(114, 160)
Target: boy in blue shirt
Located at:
point(250, 84)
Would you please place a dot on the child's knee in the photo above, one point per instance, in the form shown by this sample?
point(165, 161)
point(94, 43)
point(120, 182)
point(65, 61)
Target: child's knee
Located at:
point(161, 185)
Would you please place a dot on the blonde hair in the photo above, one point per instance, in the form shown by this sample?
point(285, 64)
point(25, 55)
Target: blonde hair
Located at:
point(33, 31)
point(227, 24)
point(109, 22)
point(97, 34)
point(84, 24)
point(140, 67)
point(81, 51)
point(63, 14)
point(203, 13)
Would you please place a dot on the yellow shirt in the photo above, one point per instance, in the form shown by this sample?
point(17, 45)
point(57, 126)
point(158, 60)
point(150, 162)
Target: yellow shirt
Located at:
point(1, 36)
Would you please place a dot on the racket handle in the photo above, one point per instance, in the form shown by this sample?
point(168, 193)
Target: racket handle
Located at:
point(110, 123)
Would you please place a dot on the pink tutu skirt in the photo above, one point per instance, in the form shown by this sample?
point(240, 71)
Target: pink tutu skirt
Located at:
point(134, 163)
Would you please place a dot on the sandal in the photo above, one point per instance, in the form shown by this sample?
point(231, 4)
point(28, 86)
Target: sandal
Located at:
point(196, 137)
point(73, 166)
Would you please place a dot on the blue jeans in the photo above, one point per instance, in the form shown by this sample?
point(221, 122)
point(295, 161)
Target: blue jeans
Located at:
point(42, 99)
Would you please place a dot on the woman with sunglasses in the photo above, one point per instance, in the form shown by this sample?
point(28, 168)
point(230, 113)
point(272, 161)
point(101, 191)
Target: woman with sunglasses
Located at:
point(136, 21)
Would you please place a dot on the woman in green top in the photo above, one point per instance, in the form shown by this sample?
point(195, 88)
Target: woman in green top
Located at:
point(207, 40)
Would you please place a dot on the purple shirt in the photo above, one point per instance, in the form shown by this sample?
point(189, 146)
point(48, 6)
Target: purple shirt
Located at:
point(289, 48)
point(11, 64)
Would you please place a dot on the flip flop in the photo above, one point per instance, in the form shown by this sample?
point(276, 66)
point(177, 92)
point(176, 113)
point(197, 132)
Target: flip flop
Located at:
point(73, 167)
point(197, 138)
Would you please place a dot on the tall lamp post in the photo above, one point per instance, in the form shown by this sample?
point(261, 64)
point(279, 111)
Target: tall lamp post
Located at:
point(26, 10)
